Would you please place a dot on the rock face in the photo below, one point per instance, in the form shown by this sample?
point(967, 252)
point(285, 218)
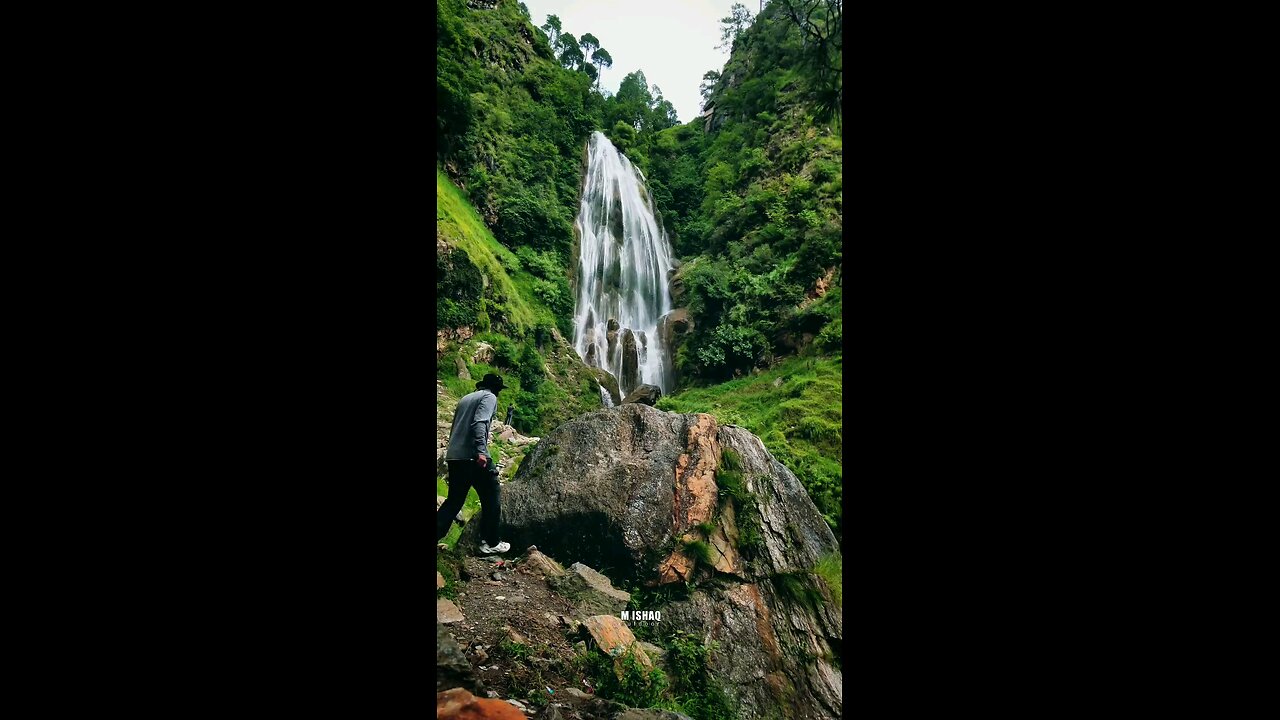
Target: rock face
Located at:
point(621, 488)
point(630, 360)
point(674, 326)
point(645, 394)
point(453, 670)
point(610, 383)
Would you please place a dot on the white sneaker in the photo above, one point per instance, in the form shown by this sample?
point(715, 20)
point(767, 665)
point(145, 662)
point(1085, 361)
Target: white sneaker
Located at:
point(499, 548)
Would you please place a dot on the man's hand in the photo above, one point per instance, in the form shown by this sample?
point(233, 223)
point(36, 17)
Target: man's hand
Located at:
point(482, 460)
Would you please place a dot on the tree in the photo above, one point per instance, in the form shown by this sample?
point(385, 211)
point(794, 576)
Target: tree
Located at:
point(709, 80)
point(552, 29)
point(570, 53)
point(820, 23)
point(739, 20)
point(602, 59)
point(588, 43)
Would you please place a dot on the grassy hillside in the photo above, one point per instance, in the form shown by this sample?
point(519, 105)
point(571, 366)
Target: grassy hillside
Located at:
point(486, 288)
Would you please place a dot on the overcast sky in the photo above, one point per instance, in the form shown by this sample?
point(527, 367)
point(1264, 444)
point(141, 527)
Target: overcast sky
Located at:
point(672, 41)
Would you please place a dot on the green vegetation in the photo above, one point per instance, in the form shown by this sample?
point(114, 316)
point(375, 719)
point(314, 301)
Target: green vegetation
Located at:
point(733, 488)
point(700, 551)
point(515, 650)
point(517, 319)
point(752, 199)
point(799, 588)
point(754, 206)
point(695, 692)
point(830, 569)
point(799, 421)
point(633, 686)
point(689, 689)
point(447, 564)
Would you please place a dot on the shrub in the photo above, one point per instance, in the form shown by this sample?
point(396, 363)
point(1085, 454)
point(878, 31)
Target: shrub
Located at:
point(529, 367)
point(635, 688)
point(505, 353)
point(544, 264)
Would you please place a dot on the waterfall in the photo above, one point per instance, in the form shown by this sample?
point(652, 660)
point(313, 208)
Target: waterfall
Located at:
point(624, 263)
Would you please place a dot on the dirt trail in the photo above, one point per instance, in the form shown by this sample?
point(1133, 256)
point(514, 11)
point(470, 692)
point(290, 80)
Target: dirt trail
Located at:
point(516, 631)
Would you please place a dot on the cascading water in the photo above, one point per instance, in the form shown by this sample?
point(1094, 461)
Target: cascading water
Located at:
point(624, 263)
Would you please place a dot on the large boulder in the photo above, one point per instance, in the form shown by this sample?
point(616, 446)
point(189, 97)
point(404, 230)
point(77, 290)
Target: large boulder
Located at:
point(638, 491)
point(645, 394)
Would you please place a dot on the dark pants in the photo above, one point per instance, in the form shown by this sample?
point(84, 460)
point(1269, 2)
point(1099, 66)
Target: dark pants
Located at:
point(463, 475)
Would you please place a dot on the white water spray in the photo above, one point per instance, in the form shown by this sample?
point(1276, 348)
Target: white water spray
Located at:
point(624, 263)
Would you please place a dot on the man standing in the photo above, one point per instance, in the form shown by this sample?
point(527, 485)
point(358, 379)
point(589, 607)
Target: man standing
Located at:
point(471, 466)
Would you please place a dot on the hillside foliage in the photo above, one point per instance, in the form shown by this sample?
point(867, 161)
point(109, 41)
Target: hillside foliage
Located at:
point(750, 195)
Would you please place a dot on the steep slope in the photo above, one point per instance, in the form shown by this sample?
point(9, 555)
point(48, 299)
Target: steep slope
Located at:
point(492, 317)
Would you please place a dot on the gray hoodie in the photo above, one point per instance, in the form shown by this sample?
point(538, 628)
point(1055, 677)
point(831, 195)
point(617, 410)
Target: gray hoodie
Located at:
point(470, 434)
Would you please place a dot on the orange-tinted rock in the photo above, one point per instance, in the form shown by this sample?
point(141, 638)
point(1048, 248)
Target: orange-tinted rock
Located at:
point(615, 638)
point(458, 704)
point(696, 492)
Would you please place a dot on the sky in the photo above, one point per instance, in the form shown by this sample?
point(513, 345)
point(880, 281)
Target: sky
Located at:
point(672, 41)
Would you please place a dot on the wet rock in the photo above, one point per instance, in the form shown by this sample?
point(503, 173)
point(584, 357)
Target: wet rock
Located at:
point(610, 383)
point(447, 612)
point(452, 667)
point(645, 394)
point(589, 591)
point(458, 704)
point(630, 361)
